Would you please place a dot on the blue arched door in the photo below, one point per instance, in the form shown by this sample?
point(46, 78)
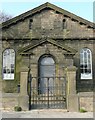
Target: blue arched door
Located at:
point(46, 74)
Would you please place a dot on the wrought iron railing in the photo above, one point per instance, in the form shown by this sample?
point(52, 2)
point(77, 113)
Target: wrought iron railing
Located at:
point(48, 92)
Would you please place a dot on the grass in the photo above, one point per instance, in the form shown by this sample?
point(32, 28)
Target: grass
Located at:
point(17, 108)
point(82, 110)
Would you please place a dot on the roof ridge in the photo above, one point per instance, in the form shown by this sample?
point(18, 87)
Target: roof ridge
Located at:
point(47, 3)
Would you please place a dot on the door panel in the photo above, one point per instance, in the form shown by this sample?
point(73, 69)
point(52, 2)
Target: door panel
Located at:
point(47, 70)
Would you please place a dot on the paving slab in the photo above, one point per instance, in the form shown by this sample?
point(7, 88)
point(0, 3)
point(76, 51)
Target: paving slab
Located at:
point(46, 114)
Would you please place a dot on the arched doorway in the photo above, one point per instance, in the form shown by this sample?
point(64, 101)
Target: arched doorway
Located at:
point(46, 74)
point(48, 90)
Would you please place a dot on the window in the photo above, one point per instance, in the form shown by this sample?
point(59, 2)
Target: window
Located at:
point(30, 23)
point(8, 64)
point(64, 24)
point(86, 64)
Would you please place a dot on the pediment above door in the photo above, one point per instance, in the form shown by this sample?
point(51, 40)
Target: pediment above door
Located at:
point(35, 43)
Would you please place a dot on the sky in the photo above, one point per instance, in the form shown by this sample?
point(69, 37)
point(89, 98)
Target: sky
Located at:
point(82, 8)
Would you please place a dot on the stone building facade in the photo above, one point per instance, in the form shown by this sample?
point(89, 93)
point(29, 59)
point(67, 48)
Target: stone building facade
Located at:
point(52, 45)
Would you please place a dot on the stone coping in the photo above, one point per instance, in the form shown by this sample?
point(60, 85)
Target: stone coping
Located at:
point(85, 94)
point(10, 95)
point(15, 95)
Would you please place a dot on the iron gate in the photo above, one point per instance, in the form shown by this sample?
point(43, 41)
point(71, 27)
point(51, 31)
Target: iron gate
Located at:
point(48, 92)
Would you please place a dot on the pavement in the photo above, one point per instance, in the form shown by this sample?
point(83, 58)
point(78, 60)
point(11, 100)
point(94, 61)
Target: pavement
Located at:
point(46, 113)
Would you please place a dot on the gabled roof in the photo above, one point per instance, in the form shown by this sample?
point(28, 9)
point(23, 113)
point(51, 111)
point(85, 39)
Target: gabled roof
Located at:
point(36, 43)
point(50, 6)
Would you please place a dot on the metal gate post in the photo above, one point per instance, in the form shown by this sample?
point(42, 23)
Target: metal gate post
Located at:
point(29, 80)
point(29, 84)
point(48, 91)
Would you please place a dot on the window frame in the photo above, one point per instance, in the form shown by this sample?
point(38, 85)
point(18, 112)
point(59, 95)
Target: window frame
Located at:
point(86, 64)
point(12, 73)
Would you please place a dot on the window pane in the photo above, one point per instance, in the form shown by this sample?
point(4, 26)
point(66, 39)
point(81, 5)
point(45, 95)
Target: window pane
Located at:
point(85, 54)
point(81, 56)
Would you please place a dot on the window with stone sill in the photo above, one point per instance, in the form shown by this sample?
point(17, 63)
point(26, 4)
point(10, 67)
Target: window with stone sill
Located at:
point(8, 64)
point(86, 63)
